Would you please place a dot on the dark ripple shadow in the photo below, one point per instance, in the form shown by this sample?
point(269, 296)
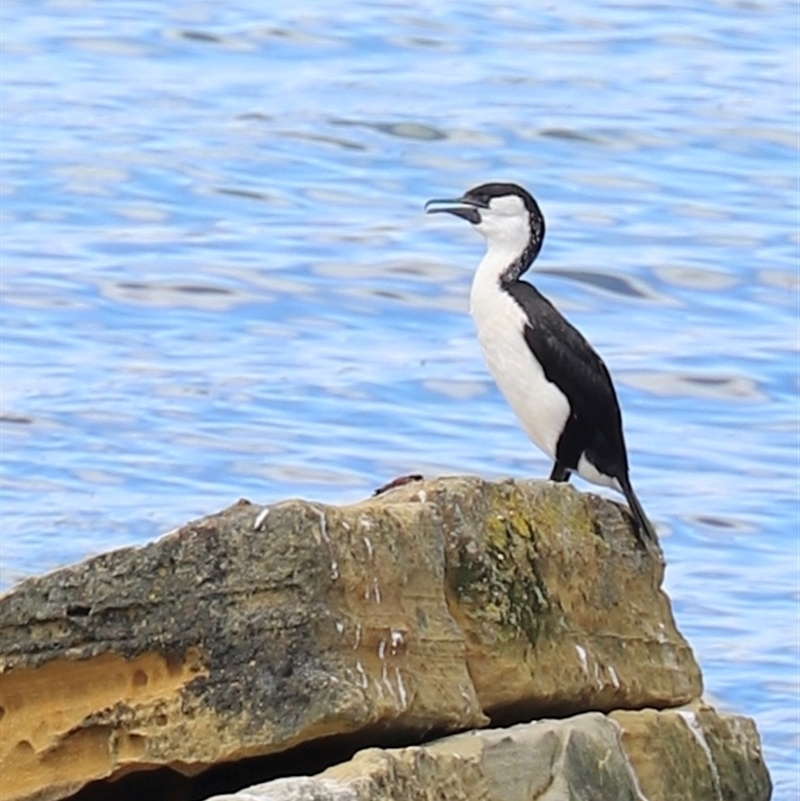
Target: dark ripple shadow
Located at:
point(708, 387)
point(192, 289)
point(712, 521)
point(614, 284)
point(200, 36)
point(255, 116)
point(417, 270)
point(402, 130)
point(200, 296)
point(16, 419)
point(568, 135)
point(248, 194)
point(344, 144)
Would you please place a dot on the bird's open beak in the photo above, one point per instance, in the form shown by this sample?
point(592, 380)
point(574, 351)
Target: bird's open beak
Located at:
point(461, 207)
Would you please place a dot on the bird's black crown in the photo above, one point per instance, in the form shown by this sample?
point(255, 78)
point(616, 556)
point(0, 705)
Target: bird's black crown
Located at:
point(482, 195)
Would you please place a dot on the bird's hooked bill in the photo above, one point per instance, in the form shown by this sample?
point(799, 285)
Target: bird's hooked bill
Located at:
point(449, 203)
point(431, 205)
point(465, 207)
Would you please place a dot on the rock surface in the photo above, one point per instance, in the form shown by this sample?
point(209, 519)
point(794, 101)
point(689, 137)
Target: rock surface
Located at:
point(694, 753)
point(588, 757)
point(436, 607)
point(578, 758)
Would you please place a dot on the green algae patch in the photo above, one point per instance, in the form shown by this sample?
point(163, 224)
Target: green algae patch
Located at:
point(498, 580)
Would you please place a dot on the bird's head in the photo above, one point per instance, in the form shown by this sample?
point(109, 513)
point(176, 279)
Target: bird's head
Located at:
point(505, 214)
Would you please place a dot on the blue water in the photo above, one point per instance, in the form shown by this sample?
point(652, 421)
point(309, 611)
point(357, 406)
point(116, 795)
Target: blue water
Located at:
point(217, 280)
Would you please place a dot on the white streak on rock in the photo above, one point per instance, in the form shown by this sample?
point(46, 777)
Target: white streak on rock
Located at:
point(690, 720)
point(261, 518)
point(423, 496)
point(323, 531)
point(614, 677)
point(386, 682)
point(640, 796)
point(382, 650)
point(397, 641)
point(362, 676)
point(581, 651)
point(401, 689)
point(368, 546)
point(358, 636)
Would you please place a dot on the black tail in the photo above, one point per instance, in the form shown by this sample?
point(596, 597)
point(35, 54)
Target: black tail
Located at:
point(645, 527)
point(560, 472)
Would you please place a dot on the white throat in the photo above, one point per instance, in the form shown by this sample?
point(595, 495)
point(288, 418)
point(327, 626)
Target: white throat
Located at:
point(503, 248)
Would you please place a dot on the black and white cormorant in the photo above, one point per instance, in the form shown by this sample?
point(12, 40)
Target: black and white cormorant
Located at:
point(556, 384)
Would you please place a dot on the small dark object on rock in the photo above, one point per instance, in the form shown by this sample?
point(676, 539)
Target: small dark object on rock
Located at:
point(397, 482)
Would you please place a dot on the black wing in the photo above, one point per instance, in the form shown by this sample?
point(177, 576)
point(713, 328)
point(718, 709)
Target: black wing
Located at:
point(570, 362)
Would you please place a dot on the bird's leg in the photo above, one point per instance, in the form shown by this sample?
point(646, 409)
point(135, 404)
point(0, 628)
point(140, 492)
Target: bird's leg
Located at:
point(560, 472)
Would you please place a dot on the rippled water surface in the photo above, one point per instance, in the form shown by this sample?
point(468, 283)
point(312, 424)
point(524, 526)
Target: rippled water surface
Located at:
point(217, 280)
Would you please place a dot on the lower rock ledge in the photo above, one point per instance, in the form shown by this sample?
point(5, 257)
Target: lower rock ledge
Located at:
point(692, 752)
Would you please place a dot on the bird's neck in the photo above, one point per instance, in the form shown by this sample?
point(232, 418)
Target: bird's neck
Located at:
point(495, 271)
point(504, 262)
point(510, 251)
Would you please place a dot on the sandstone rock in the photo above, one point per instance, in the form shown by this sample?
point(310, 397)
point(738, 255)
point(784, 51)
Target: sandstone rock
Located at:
point(434, 607)
point(696, 753)
point(589, 757)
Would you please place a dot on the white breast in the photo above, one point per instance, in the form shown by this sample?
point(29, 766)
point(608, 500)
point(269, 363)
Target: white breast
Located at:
point(541, 408)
